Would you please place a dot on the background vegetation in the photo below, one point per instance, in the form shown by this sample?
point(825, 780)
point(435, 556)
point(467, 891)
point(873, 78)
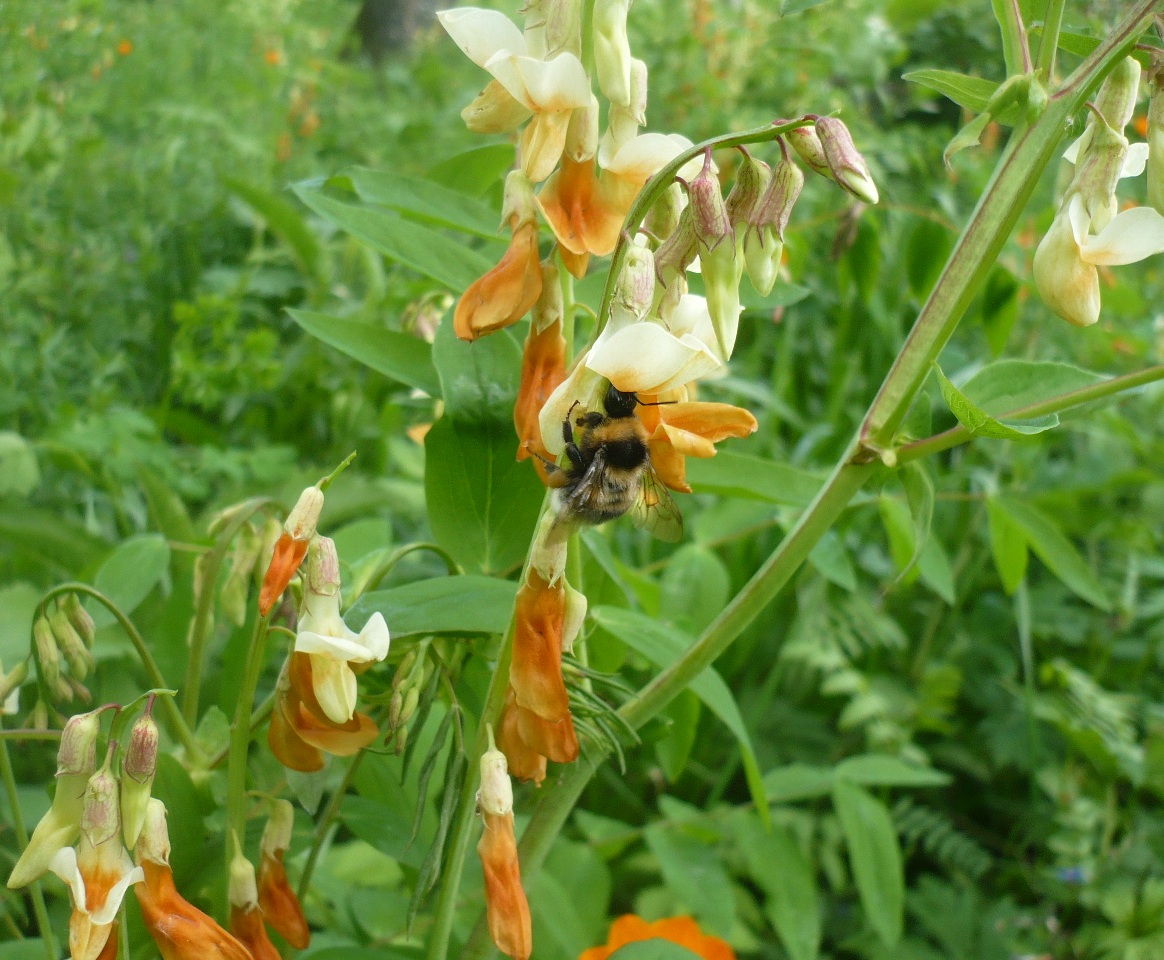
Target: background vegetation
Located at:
point(1002, 698)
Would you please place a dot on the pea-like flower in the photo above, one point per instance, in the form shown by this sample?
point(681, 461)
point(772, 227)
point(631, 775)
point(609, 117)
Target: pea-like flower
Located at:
point(507, 908)
point(279, 902)
point(291, 547)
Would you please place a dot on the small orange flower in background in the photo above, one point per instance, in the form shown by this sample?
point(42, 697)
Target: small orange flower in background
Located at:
point(125, 48)
point(272, 57)
point(682, 429)
point(280, 906)
point(507, 908)
point(180, 930)
point(681, 930)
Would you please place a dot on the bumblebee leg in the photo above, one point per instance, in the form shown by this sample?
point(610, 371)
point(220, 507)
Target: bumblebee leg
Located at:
point(555, 475)
point(575, 456)
point(567, 430)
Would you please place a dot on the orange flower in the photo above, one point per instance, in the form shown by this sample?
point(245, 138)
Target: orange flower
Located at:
point(507, 292)
point(689, 429)
point(585, 213)
point(506, 906)
point(300, 732)
point(280, 905)
point(536, 719)
point(681, 930)
point(246, 919)
point(180, 930)
point(291, 547)
point(543, 367)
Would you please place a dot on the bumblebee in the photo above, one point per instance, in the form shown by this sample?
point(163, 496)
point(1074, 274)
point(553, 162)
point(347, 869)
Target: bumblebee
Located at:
point(609, 471)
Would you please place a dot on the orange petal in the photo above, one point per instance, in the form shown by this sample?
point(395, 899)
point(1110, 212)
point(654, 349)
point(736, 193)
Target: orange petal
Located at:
point(669, 464)
point(280, 905)
point(180, 930)
point(576, 263)
point(680, 930)
point(285, 561)
point(687, 443)
point(554, 739)
point(507, 292)
point(536, 671)
point(524, 762)
point(288, 747)
point(584, 216)
point(314, 726)
point(712, 421)
point(505, 901)
point(247, 925)
point(543, 367)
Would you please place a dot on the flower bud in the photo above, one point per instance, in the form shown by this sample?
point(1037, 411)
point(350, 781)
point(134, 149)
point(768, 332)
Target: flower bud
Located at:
point(582, 133)
point(400, 740)
point(678, 251)
point(139, 767)
point(80, 619)
point(77, 754)
point(496, 793)
point(775, 205)
point(751, 181)
point(623, 122)
point(71, 644)
point(612, 57)
point(244, 555)
point(409, 705)
point(847, 165)
point(153, 843)
point(277, 832)
point(634, 289)
point(323, 569)
point(663, 217)
point(48, 656)
point(403, 672)
point(518, 201)
point(708, 210)
point(495, 110)
point(1116, 99)
point(10, 684)
point(808, 147)
point(762, 253)
point(243, 889)
point(101, 814)
point(723, 268)
point(1156, 149)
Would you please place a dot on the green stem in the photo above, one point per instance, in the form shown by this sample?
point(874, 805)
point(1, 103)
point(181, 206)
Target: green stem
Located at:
point(1057, 404)
point(1015, 49)
point(325, 821)
point(25, 734)
point(1049, 42)
point(1022, 616)
point(174, 719)
point(240, 737)
point(200, 632)
point(38, 905)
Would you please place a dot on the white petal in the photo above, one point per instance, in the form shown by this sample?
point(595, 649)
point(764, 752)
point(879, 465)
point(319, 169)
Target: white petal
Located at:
point(1067, 285)
point(1131, 236)
point(558, 84)
point(646, 358)
point(692, 316)
point(335, 688)
point(64, 865)
point(582, 385)
point(107, 912)
point(1135, 161)
point(1071, 154)
point(646, 155)
point(481, 33)
point(1078, 218)
point(339, 649)
point(374, 638)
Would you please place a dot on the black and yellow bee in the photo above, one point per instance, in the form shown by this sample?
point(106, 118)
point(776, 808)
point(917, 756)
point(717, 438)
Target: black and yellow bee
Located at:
point(609, 473)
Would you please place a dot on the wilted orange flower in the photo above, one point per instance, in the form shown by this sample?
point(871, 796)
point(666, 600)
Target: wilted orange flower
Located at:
point(246, 918)
point(689, 429)
point(300, 732)
point(278, 901)
point(536, 721)
point(507, 292)
point(507, 908)
point(291, 547)
point(180, 930)
point(681, 930)
point(543, 367)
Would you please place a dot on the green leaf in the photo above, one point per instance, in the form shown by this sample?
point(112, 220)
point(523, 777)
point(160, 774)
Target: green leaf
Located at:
point(926, 250)
point(50, 538)
point(479, 380)
point(474, 171)
point(426, 200)
point(777, 865)
point(742, 475)
point(446, 261)
point(468, 604)
point(798, 781)
point(167, 511)
point(883, 770)
point(1007, 385)
point(831, 560)
point(981, 424)
point(695, 875)
point(34, 950)
point(399, 356)
point(972, 93)
point(1000, 307)
point(284, 221)
point(482, 503)
point(663, 645)
point(1008, 546)
point(875, 857)
point(18, 602)
point(935, 569)
point(653, 949)
point(1055, 550)
point(19, 473)
point(919, 497)
point(968, 136)
point(695, 587)
point(674, 749)
point(128, 575)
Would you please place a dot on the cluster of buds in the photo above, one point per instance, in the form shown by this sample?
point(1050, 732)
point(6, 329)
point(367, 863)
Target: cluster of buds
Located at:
point(94, 816)
point(315, 709)
point(1089, 231)
point(62, 639)
point(404, 698)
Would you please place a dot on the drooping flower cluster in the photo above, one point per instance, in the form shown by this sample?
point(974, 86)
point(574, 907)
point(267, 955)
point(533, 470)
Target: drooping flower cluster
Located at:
point(315, 697)
point(1089, 231)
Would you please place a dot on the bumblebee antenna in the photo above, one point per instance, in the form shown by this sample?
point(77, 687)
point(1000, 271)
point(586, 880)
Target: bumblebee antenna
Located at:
point(656, 403)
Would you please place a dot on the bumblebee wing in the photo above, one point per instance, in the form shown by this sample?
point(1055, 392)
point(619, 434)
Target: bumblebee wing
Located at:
point(589, 498)
point(655, 509)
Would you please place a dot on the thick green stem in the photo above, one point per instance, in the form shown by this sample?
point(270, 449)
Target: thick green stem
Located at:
point(240, 737)
point(203, 621)
point(1057, 404)
point(38, 905)
point(173, 717)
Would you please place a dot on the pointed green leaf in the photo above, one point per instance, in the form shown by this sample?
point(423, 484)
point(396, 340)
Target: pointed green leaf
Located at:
point(742, 475)
point(883, 770)
point(1008, 546)
point(875, 858)
point(972, 93)
point(399, 356)
point(653, 949)
point(695, 874)
point(777, 865)
point(1007, 385)
point(285, 221)
point(128, 575)
point(468, 604)
point(981, 424)
point(919, 497)
point(426, 200)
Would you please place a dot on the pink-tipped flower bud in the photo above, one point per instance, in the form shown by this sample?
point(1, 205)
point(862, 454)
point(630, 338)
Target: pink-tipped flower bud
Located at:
point(846, 163)
point(708, 209)
point(77, 754)
point(808, 147)
point(304, 516)
point(634, 290)
point(774, 207)
point(138, 769)
point(663, 217)
point(323, 569)
point(101, 815)
point(518, 201)
point(678, 251)
point(751, 181)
